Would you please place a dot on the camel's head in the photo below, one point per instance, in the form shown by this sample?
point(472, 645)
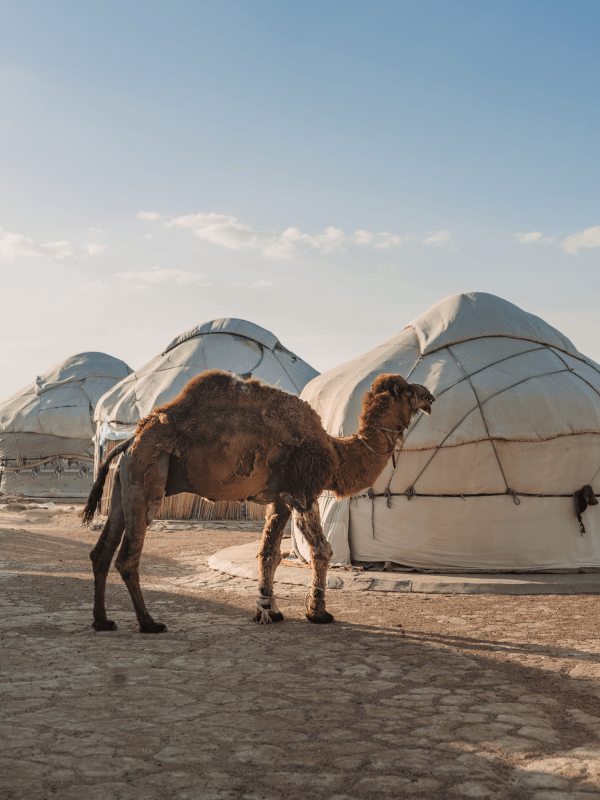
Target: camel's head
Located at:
point(415, 396)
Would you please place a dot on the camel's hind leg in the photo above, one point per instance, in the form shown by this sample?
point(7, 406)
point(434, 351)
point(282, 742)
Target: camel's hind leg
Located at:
point(320, 553)
point(269, 556)
point(102, 556)
point(143, 491)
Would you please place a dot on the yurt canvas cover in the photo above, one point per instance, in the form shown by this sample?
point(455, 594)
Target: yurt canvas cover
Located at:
point(487, 481)
point(47, 431)
point(229, 344)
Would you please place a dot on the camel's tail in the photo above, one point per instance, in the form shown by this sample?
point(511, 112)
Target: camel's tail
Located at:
point(93, 501)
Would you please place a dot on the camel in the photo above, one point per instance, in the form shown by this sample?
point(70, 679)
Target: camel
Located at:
point(225, 438)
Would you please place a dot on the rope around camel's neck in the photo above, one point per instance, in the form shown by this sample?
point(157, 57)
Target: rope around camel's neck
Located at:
point(392, 434)
point(363, 458)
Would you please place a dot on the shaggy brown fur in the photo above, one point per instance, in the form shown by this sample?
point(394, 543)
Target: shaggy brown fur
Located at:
point(229, 439)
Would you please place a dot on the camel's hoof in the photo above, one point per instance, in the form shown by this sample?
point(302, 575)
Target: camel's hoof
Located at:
point(274, 616)
point(104, 625)
point(320, 618)
point(152, 627)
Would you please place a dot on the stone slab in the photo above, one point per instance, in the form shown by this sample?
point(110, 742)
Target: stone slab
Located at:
point(241, 561)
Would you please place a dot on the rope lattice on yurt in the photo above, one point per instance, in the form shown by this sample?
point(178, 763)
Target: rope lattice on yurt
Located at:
point(410, 492)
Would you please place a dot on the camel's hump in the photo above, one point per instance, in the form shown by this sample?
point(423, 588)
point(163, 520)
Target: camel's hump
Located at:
point(217, 389)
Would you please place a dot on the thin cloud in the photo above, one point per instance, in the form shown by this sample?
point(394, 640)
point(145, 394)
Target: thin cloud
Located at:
point(328, 241)
point(228, 232)
point(14, 245)
point(151, 215)
point(159, 275)
point(528, 238)
point(362, 237)
point(590, 237)
point(381, 241)
point(387, 240)
point(438, 238)
point(94, 249)
point(533, 237)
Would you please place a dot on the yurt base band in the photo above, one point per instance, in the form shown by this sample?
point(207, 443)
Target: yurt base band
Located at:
point(582, 498)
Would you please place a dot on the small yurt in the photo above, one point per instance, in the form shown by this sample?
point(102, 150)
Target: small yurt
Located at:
point(234, 345)
point(47, 429)
point(488, 481)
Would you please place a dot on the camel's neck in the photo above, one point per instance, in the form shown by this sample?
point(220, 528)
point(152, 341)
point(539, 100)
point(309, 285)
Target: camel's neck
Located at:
point(363, 456)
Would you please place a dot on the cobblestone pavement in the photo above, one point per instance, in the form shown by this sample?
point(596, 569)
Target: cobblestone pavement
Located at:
point(475, 697)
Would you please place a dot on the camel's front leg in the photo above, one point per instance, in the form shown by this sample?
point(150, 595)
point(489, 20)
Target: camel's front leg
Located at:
point(269, 556)
point(320, 553)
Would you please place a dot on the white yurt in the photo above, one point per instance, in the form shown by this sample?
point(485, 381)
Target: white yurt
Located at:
point(47, 430)
point(487, 481)
point(235, 345)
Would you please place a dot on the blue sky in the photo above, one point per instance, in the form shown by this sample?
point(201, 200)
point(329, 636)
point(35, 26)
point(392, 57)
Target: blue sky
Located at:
point(326, 170)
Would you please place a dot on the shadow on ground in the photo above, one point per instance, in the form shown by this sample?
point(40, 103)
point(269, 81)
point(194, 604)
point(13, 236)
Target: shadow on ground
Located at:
point(222, 708)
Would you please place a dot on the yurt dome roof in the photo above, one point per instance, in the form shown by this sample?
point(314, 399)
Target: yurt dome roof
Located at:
point(235, 345)
point(512, 435)
point(47, 431)
point(552, 387)
point(234, 327)
point(476, 315)
point(59, 403)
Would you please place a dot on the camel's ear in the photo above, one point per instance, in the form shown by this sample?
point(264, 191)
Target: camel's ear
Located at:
point(394, 384)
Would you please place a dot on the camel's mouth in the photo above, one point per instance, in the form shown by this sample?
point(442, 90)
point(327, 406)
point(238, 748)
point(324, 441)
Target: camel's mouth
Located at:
point(425, 403)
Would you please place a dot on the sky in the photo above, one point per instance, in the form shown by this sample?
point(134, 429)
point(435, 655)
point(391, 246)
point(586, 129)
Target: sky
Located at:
point(325, 170)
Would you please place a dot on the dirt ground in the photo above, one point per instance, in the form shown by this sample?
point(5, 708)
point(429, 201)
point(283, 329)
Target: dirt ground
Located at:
point(474, 697)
